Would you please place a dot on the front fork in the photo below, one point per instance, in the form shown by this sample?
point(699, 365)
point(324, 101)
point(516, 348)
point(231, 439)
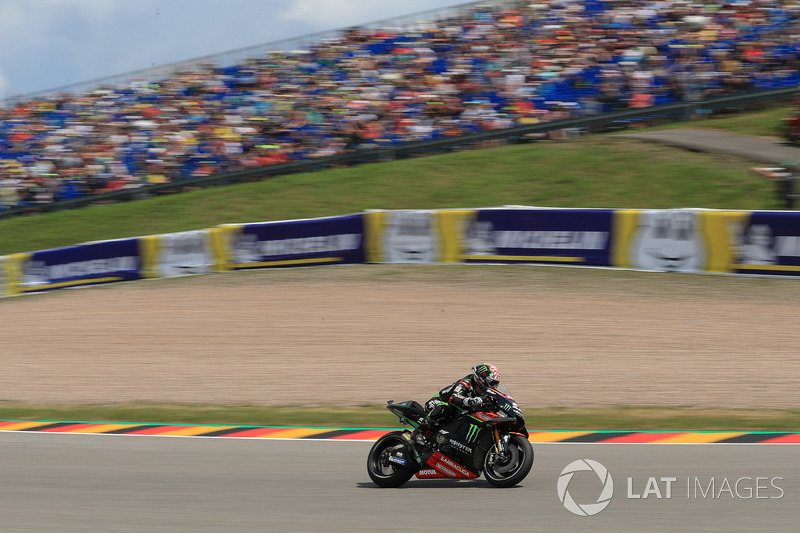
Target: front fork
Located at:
point(500, 443)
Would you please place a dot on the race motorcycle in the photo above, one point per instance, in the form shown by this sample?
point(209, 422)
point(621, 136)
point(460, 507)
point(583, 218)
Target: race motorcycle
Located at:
point(492, 441)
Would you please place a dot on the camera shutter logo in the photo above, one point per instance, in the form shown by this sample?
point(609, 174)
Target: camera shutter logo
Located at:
point(585, 509)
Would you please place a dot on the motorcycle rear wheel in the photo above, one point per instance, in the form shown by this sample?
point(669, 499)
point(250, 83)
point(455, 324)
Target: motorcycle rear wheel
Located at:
point(383, 472)
point(508, 471)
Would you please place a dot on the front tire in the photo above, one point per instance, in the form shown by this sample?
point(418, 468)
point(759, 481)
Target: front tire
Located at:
point(383, 472)
point(509, 470)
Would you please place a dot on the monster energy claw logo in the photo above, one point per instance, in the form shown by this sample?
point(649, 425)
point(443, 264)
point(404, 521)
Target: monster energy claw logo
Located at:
point(472, 434)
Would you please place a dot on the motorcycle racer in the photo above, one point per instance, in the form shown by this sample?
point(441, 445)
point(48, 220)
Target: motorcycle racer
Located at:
point(466, 393)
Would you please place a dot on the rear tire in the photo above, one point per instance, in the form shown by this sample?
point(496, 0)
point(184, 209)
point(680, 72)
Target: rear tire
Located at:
point(508, 471)
point(383, 472)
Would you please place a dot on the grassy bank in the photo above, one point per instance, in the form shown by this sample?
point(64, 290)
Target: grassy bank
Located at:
point(375, 416)
point(594, 171)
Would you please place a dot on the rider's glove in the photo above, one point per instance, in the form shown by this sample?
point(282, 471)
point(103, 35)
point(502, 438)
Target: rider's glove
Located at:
point(473, 402)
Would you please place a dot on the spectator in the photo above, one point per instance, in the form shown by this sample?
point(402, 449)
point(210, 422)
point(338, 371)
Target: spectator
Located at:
point(476, 71)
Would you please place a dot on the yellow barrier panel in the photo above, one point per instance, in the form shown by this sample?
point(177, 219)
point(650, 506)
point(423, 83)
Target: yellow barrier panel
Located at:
point(14, 268)
point(721, 230)
point(623, 229)
point(374, 224)
point(221, 254)
point(148, 252)
point(452, 225)
point(4, 285)
point(222, 245)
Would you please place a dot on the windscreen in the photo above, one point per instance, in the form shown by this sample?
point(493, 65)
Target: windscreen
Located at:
point(502, 389)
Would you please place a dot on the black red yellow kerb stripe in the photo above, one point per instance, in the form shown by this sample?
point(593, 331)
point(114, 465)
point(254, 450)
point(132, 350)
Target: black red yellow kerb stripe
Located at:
point(273, 432)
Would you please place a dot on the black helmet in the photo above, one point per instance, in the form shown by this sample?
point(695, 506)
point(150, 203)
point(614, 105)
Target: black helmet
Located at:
point(485, 375)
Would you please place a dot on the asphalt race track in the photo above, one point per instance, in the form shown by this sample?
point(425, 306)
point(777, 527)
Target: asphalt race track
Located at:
point(105, 483)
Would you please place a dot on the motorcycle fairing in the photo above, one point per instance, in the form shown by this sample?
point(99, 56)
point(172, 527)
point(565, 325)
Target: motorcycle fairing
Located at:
point(448, 467)
point(430, 473)
point(491, 418)
point(408, 411)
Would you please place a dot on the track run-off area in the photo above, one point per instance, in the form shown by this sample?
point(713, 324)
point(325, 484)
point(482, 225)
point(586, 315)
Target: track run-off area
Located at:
point(91, 476)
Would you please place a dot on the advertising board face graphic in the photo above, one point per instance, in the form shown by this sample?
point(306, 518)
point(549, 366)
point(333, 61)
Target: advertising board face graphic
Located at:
point(245, 248)
point(184, 253)
point(411, 237)
point(479, 239)
point(757, 246)
point(34, 273)
point(767, 243)
point(750, 242)
point(668, 240)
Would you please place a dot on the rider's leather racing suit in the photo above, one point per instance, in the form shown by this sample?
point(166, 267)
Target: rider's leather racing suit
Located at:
point(444, 405)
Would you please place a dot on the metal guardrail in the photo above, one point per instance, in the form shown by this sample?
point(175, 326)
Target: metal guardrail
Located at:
point(589, 124)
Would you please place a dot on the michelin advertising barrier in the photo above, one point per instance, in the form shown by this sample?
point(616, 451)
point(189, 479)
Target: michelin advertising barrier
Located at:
point(314, 241)
point(556, 236)
point(320, 241)
point(74, 266)
point(694, 240)
point(665, 240)
point(493, 235)
point(765, 243)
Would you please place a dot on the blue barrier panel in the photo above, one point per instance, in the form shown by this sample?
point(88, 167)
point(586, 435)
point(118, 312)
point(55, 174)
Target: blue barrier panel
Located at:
point(74, 266)
point(534, 235)
point(293, 243)
point(768, 244)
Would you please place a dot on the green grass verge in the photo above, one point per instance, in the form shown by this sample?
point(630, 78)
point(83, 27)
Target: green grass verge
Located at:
point(766, 123)
point(376, 416)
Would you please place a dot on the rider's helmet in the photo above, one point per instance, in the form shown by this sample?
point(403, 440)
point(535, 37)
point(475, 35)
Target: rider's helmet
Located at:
point(485, 375)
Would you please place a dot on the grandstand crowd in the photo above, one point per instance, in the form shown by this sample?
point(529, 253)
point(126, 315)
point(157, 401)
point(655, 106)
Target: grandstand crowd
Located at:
point(487, 68)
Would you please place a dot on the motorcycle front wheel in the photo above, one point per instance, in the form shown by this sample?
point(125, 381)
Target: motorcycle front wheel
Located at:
point(508, 469)
point(382, 471)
